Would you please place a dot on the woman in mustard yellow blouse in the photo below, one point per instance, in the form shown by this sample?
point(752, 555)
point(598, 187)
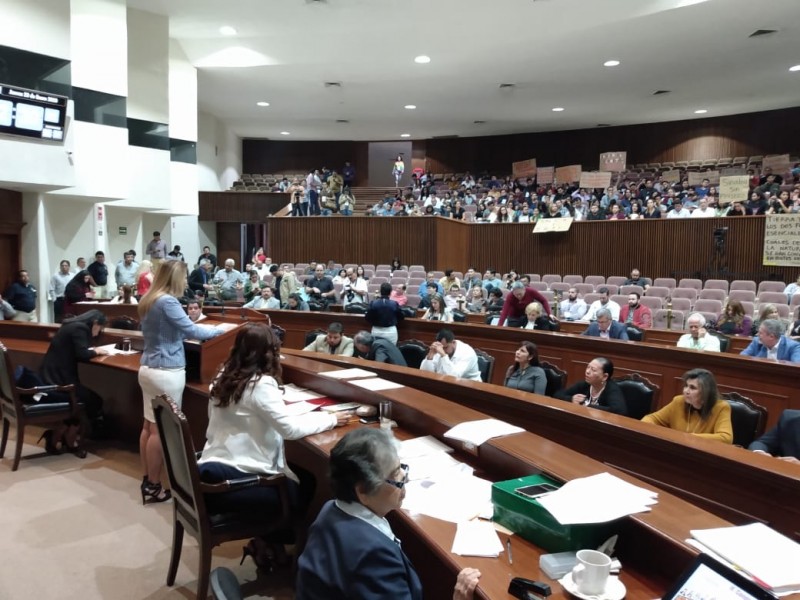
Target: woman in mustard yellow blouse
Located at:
point(699, 411)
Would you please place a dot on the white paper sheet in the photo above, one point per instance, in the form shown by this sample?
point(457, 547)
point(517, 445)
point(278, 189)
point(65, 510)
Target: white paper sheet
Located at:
point(422, 446)
point(300, 408)
point(292, 393)
point(477, 538)
point(456, 499)
point(353, 373)
point(377, 384)
point(114, 351)
point(478, 432)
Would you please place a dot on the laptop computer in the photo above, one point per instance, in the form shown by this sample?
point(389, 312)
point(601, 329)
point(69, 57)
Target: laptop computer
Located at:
point(708, 579)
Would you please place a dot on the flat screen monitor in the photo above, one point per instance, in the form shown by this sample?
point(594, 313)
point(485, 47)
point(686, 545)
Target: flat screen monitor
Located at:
point(32, 114)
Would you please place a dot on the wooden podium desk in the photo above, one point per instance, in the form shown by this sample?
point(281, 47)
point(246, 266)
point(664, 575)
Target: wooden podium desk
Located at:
point(734, 483)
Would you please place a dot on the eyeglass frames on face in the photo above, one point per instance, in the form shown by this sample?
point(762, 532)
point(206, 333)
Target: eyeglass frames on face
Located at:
point(399, 484)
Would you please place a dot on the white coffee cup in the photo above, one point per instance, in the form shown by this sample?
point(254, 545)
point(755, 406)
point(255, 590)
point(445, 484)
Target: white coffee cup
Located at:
point(591, 572)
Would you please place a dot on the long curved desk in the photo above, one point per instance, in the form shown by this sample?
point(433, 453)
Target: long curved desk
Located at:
point(651, 545)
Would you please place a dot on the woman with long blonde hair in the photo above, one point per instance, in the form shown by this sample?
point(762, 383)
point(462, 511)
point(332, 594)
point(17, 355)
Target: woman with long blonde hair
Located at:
point(163, 366)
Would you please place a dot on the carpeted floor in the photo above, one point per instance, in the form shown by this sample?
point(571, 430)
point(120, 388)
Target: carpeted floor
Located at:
point(72, 528)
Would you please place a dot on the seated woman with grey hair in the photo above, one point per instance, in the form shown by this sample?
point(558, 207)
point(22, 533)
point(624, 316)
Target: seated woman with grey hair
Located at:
point(351, 550)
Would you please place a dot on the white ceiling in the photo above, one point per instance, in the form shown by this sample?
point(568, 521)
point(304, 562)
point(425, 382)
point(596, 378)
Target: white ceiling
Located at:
point(552, 50)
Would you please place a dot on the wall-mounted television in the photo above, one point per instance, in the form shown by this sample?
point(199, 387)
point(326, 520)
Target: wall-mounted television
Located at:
point(32, 114)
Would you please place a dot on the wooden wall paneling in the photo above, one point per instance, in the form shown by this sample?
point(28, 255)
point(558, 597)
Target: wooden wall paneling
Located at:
point(240, 207)
point(228, 244)
point(10, 236)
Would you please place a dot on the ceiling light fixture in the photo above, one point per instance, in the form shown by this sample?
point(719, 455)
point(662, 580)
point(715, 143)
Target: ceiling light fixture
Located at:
point(262, 103)
point(405, 135)
point(410, 106)
point(227, 30)
point(611, 63)
point(558, 109)
point(795, 68)
point(700, 111)
point(284, 133)
point(422, 59)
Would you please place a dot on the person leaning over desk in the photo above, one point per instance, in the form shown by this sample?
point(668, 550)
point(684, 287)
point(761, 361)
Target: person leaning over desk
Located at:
point(351, 550)
point(699, 410)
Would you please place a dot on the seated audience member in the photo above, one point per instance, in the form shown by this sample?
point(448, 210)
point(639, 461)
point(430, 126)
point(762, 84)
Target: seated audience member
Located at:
point(573, 308)
point(794, 330)
point(791, 290)
point(354, 289)
point(516, 302)
point(351, 550)
point(765, 311)
point(703, 210)
point(771, 343)
point(319, 288)
point(247, 424)
point(476, 303)
point(698, 338)
point(296, 302)
point(332, 342)
point(200, 278)
point(384, 314)
point(230, 280)
point(678, 211)
point(252, 286)
point(21, 295)
point(438, 311)
point(125, 296)
point(449, 356)
point(637, 279)
point(378, 349)
point(454, 300)
point(635, 313)
point(472, 279)
point(425, 301)
point(78, 289)
point(736, 210)
point(74, 343)
point(651, 210)
point(492, 281)
point(534, 319)
point(449, 280)
point(425, 287)
point(195, 311)
point(604, 302)
point(605, 327)
point(597, 389)
point(783, 440)
point(495, 301)
point(699, 411)
point(526, 374)
point(733, 321)
point(264, 300)
point(340, 277)
point(399, 294)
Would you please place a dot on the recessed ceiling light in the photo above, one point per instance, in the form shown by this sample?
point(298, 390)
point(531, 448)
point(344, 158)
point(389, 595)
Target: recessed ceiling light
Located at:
point(262, 103)
point(227, 30)
point(795, 68)
point(410, 106)
point(700, 111)
point(558, 109)
point(611, 63)
point(405, 135)
point(284, 133)
point(422, 59)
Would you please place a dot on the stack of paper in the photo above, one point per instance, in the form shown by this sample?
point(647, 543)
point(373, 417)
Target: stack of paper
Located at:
point(477, 432)
point(377, 384)
point(477, 538)
point(353, 373)
point(771, 559)
point(460, 497)
point(597, 499)
point(113, 350)
point(422, 446)
point(292, 393)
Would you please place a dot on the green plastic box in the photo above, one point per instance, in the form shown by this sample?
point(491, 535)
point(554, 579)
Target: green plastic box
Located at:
point(531, 521)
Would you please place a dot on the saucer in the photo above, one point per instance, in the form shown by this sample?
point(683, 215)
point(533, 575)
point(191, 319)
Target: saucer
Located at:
point(615, 589)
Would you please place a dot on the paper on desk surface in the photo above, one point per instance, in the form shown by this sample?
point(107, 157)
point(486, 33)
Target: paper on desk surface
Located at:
point(478, 432)
point(597, 499)
point(477, 538)
point(422, 446)
point(354, 373)
point(377, 384)
point(299, 408)
point(292, 393)
point(112, 350)
point(459, 498)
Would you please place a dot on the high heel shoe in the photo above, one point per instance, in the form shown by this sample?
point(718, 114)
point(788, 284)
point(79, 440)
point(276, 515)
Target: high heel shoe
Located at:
point(259, 555)
point(50, 446)
point(153, 492)
point(73, 448)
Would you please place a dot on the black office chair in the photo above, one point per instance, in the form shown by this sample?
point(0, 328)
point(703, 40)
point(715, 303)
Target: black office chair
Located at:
point(748, 419)
point(459, 316)
point(635, 334)
point(491, 317)
point(189, 505)
point(640, 395)
point(224, 585)
point(409, 312)
point(724, 340)
point(312, 335)
point(485, 365)
point(413, 351)
point(556, 378)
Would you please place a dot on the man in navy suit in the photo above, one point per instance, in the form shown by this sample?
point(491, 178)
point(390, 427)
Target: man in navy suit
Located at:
point(771, 343)
point(606, 327)
point(783, 440)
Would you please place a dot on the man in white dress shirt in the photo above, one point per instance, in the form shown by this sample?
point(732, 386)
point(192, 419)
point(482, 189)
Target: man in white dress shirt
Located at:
point(449, 356)
point(698, 338)
point(604, 302)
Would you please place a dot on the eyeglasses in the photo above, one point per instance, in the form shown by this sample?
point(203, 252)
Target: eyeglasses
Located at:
point(400, 484)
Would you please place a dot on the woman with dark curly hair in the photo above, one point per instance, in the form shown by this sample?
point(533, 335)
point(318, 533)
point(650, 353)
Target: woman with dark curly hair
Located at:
point(733, 320)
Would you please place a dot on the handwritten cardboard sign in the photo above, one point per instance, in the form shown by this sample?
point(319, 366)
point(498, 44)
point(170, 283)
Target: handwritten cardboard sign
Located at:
point(595, 179)
point(734, 189)
point(568, 174)
point(544, 175)
point(550, 225)
point(779, 163)
point(524, 168)
point(697, 178)
point(613, 161)
point(782, 240)
point(672, 176)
